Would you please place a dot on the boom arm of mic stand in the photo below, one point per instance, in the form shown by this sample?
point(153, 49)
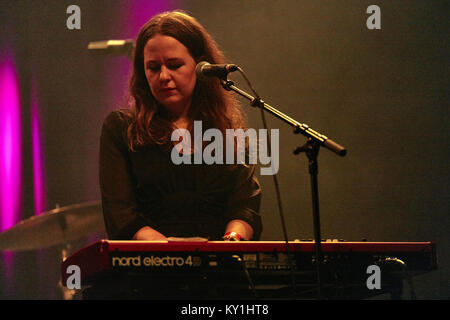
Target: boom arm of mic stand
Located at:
point(298, 127)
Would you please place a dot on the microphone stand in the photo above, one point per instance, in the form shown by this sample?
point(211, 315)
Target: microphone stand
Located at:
point(314, 141)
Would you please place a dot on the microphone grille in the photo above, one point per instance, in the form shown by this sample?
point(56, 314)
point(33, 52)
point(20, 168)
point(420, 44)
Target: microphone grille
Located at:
point(198, 69)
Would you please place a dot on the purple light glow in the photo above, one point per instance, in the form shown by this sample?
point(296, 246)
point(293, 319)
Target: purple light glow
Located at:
point(10, 144)
point(38, 179)
point(134, 14)
point(38, 174)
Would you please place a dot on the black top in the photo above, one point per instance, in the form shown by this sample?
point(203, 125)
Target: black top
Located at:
point(145, 188)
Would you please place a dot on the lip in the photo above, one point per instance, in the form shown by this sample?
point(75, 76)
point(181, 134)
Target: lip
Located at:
point(168, 89)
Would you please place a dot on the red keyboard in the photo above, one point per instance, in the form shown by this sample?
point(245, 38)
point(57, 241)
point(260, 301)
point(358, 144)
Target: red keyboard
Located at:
point(259, 257)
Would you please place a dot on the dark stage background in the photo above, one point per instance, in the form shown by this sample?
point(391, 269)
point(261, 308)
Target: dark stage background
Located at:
point(383, 94)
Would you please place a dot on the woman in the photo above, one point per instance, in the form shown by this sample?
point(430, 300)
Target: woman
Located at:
point(144, 195)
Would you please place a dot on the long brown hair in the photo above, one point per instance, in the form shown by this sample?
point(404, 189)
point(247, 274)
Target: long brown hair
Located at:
point(216, 108)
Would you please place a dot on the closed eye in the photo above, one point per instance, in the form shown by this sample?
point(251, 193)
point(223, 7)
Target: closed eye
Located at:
point(175, 66)
point(155, 68)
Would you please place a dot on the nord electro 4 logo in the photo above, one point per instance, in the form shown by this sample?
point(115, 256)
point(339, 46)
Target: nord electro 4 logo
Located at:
point(156, 261)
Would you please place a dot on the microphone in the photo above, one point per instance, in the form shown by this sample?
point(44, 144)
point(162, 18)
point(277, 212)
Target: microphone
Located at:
point(112, 47)
point(205, 69)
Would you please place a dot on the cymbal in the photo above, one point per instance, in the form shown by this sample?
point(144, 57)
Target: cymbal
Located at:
point(57, 226)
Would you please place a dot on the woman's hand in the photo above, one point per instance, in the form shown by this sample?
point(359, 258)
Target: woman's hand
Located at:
point(149, 234)
point(242, 228)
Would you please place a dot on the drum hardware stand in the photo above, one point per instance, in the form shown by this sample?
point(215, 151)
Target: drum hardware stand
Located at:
point(314, 141)
point(64, 249)
point(68, 294)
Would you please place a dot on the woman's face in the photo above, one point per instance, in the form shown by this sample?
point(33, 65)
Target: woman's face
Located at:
point(170, 73)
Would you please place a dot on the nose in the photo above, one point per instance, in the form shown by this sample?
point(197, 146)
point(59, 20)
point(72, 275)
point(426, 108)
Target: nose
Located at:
point(164, 74)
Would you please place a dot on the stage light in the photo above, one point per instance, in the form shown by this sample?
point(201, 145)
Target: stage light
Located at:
point(10, 143)
point(37, 154)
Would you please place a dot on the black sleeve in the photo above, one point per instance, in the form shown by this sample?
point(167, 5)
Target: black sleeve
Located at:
point(122, 220)
point(245, 201)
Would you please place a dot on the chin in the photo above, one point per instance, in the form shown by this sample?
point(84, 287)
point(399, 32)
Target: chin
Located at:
point(172, 104)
